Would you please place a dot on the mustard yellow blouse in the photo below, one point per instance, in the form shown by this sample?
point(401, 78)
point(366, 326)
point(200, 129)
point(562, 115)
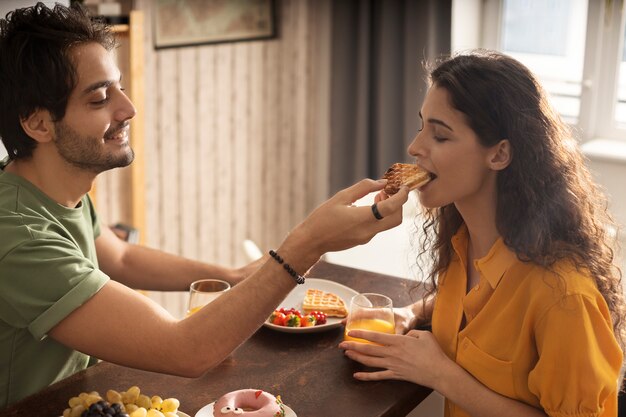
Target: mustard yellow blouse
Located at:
point(528, 336)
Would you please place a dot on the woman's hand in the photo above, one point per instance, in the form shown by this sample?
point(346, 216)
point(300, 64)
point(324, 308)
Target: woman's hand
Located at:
point(415, 357)
point(405, 319)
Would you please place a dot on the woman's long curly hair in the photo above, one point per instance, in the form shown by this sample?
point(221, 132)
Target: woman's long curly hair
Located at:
point(548, 206)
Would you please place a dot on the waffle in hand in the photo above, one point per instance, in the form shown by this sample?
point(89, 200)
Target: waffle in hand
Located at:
point(326, 302)
point(405, 174)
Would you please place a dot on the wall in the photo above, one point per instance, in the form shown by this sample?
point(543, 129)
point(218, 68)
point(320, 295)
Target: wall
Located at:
point(236, 138)
point(607, 162)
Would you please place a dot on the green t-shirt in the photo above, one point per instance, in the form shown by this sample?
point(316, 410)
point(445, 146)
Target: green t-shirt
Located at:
point(48, 268)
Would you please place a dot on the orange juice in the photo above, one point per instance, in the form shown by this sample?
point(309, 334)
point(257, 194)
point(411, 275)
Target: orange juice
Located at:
point(377, 325)
point(193, 310)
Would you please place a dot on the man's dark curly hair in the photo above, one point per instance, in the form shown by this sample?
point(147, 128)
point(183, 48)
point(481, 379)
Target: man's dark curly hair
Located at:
point(36, 68)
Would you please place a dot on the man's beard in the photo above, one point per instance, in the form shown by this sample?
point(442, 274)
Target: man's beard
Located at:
point(89, 153)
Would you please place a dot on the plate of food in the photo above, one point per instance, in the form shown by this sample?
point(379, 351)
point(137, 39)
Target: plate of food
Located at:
point(297, 313)
point(116, 403)
point(207, 411)
point(179, 414)
point(244, 401)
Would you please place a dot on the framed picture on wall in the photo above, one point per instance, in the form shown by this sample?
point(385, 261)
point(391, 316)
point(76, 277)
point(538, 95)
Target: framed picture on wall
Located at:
point(194, 22)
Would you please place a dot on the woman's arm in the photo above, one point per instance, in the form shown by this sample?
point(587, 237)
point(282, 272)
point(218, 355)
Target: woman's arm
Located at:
point(417, 314)
point(417, 357)
point(457, 385)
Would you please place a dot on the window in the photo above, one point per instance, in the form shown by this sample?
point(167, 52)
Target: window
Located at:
point(578, 50)
point(546, 36)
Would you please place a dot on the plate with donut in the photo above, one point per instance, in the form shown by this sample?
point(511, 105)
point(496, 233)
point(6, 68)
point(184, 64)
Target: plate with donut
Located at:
point(245, 402)
point(315, 295)
point(207, 411)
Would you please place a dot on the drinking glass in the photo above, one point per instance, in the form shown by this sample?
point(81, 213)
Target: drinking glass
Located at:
point(370, 311)
point(204, 291)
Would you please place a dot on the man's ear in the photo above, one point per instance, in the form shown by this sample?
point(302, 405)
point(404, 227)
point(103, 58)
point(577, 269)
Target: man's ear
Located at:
point(500, 155)
point(39, 125)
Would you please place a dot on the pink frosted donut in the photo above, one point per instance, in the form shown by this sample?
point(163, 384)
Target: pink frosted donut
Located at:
point(248, 403)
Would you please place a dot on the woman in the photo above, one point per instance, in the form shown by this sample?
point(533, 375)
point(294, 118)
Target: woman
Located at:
point(528, 313)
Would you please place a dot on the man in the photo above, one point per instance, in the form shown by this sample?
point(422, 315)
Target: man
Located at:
point(65, 282)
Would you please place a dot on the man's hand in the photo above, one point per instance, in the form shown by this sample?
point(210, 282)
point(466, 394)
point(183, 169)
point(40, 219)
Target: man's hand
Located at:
point(337, 224)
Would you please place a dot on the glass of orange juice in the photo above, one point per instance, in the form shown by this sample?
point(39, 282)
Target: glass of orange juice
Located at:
point(204, 291)
point(370, 311)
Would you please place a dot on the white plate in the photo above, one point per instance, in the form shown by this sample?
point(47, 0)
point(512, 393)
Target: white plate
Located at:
point(207, 411)
point(295, 297)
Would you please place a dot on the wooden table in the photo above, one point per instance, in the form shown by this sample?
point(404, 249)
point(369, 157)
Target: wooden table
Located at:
point(310, 373)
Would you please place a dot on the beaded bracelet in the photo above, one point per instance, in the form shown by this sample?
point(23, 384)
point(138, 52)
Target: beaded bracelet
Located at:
point(298, 278)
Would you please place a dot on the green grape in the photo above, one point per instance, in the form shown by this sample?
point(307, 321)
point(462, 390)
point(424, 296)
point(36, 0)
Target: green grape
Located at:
point(114, 397)
point(154, 413)
point(91, 399)
point(156, 402)
point(144, 401)
point(77, 411)
point(170, 404)
point(74, 401)
point(131, 395)
point(140, 412)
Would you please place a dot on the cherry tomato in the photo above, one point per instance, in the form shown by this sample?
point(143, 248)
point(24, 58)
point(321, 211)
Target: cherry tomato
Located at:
point(320, 318)
point(296, 312)
point(290, 310)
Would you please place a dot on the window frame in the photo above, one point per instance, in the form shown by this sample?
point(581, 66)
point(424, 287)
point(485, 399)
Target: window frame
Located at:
point(601, 60)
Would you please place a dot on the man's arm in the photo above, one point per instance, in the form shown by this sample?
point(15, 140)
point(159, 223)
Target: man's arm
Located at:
point(119, 325)
point(149, 269)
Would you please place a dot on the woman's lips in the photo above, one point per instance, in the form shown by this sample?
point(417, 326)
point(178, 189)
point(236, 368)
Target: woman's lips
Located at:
point(431, 178)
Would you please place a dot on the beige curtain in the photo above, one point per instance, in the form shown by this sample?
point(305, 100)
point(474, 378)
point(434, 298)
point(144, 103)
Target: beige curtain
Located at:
point(378, 82)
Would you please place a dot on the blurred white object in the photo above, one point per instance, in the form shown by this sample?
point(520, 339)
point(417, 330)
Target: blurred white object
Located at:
point(252, 250)
point(392, 252)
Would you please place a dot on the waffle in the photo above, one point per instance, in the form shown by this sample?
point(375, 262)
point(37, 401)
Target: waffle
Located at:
point(326, 302)
point(405, 174)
